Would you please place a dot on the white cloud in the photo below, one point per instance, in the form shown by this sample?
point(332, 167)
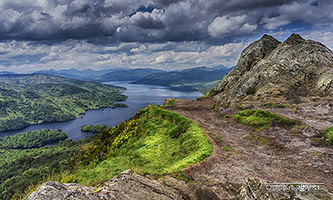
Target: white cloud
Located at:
point(227, 25)
point(82, 55)
point(324, 37)
point(275, 22)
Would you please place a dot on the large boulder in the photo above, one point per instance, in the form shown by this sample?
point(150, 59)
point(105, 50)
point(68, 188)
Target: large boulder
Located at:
point(270, 68)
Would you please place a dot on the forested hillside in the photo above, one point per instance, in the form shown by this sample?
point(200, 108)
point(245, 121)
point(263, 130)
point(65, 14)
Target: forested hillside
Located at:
point(34, 99)
point(127, 74)
point(200, 78)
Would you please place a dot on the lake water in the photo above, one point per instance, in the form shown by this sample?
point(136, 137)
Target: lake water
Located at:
point(139, 97)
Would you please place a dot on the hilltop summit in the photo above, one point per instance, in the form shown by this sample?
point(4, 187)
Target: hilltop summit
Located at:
point(267, 67)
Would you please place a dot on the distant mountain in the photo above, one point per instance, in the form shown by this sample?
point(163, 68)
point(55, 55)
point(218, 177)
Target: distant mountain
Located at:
point(74, 73)
point(128, 74)
point(6, 72)
point(193, 77)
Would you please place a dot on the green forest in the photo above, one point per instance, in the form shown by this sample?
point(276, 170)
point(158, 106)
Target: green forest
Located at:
point(23, 168)
point(93, 128)
point(37, 98)
point(32, 139)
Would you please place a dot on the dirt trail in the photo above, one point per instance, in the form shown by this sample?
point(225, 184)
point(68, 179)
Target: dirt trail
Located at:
point(288, 158)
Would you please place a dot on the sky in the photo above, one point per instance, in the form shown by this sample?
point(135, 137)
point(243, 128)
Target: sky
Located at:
point(162, 34)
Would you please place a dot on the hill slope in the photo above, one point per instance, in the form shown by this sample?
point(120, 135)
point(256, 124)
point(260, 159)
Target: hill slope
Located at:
point(74, 73)
point(127, 75)
point(34, 99)
point(193, 77)
point(296, 67)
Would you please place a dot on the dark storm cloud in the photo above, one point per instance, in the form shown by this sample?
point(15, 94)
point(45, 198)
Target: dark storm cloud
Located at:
point(153, 20)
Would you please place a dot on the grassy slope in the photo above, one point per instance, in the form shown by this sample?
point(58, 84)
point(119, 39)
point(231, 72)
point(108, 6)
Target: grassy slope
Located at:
point(33, 99)
point(155, 141)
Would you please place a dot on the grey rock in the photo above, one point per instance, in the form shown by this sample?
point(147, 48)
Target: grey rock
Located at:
point(125, 185)
point(226, 111)
point(296, 67)
point(311, 132)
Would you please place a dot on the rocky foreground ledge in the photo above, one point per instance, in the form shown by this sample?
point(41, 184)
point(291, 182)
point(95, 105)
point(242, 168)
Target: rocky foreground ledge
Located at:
point(128, 185)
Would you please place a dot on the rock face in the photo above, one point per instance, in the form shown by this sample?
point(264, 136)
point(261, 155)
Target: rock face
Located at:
point(136, 187)
point(267, 67)
point(124, 186)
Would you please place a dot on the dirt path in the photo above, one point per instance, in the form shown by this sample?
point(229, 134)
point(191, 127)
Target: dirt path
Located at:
point(288, 158)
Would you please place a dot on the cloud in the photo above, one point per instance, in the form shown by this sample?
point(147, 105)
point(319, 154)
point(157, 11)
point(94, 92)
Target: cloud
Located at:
point(146, 20)
point(82, 55)
point(40, 34)
point(228, 25)
point(323, 37)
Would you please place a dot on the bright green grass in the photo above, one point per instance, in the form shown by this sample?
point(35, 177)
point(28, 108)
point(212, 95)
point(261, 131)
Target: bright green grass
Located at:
point(329, 134)
point(155, 141)
point(260, 119)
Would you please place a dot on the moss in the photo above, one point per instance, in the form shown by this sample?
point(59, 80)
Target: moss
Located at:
point(226, 148)
point(329, 134)
point(261, 119)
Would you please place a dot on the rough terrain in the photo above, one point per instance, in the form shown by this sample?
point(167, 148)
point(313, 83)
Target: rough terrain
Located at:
point(292, 156)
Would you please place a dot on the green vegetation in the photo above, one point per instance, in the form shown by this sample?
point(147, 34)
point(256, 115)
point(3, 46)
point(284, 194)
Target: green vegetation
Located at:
point(32, 139)
point(240, 107)
point(293, 109)
point(94, 128)
point(201, 78)
point(22, 168)
point(154, 141)
point(226, 148)
point(261, 119)
point(212, 91)
point(315, 153)
point(252, 137)
point(214, 105)
point(34, 99)
point(207, 87)
point(329, 134)
point(216, 136)
point(171, 102)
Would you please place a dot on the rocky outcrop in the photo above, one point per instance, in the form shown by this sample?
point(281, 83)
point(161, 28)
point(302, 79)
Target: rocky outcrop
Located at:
point(296, 67)
point(126, 185)
point(133, 186)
